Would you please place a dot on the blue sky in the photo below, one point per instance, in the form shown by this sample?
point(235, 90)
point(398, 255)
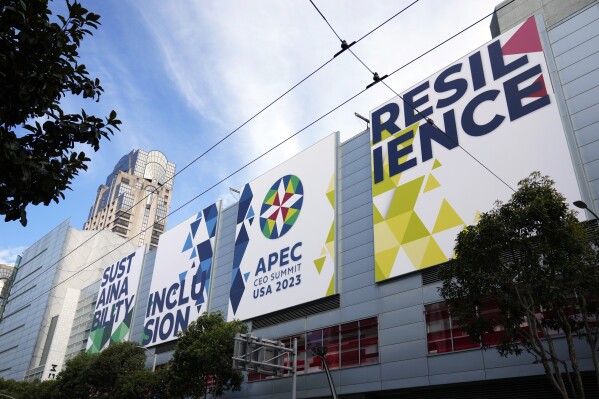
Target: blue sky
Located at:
point(183, 74)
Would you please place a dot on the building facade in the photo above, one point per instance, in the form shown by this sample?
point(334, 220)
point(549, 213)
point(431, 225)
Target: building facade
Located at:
point(572, 52)
point(135, 199)
point(394, 337)
point(296, 268)
point(42, 303)
point(5, 279)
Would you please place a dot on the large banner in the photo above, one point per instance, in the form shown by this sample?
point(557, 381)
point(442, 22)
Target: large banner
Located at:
point(116, 301)
point(181, 278)
point(285, 238)
point(496, 112)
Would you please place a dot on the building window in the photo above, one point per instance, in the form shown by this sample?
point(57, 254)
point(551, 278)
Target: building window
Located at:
point(443, 334)
point(347, 345)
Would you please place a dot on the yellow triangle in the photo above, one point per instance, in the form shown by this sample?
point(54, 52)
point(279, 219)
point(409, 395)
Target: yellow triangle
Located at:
point(383, 186)
point(377, 216)
point(415, 229)
point(331, 235)
point(447, 218)
point(433, 255)
point(476, 217)
point(416, 250)
point(383, 262)
point(431, 183)
point(436, 164)
point(319, 263)
point(331, 289)
point(398, 225)
point(331, 248)
point(384, 237)
point(405, 197)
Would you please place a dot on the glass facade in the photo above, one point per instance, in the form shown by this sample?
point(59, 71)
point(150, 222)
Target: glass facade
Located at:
point(346, 345)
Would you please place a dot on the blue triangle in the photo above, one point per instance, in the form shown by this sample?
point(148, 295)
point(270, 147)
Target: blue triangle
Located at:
point(194, 226)
point(250, 213)
point(246, 276)
point(193, 254)
point(182, 276)
point(188, 243)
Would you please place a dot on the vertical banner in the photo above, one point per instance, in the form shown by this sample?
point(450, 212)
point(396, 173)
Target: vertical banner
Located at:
point(497, 122)
point(181, 278)
point(116, 300)
point(285, 238)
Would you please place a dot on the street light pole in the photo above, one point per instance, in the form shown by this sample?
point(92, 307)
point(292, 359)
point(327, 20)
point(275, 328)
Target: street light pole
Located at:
point(583, 205)
point(321, 352)
point(153, 354)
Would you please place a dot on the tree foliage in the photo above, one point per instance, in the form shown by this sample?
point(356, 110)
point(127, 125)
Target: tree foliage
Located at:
point(39, 65)
point(116, 372)
point(532, 259)
point(28, 390)
point(202, 361)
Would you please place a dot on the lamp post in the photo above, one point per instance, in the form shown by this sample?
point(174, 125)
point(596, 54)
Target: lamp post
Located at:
point(153, 354)
point(321, 352)
point(583, 205)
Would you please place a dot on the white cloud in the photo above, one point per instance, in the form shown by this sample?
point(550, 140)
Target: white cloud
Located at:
point(8, 256)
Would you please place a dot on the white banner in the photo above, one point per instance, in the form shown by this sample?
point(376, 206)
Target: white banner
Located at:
point(285, 238)
point(181, 278)
point(116, 300)
point(496, 112)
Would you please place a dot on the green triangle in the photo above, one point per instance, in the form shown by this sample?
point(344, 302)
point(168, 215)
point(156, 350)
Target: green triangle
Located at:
point(405, 197)
point(270, 197)
point(292, 215)
point(415, 230)
point(447, 218)
point(319, 263)
point(120, 333)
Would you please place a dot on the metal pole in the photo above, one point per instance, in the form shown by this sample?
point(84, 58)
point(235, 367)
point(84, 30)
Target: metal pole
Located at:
point(294, 377)
point(153, 354)
point(329, 377)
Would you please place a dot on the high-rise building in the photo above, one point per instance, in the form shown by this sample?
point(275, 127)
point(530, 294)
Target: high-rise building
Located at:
point(5, 278)
point(135, 199)
point(44, 297)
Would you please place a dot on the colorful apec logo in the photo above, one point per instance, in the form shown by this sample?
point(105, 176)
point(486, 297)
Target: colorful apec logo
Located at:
point(281, 206)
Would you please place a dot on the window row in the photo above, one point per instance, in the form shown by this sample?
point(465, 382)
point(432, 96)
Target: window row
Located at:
point(346, 345)
point(444, 335)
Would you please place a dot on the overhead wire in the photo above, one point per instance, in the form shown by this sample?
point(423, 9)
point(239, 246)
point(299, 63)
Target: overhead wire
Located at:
point(224, 138)
point(416, 110)
point(206, 190)
point(429, 120)
point(247, 164)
